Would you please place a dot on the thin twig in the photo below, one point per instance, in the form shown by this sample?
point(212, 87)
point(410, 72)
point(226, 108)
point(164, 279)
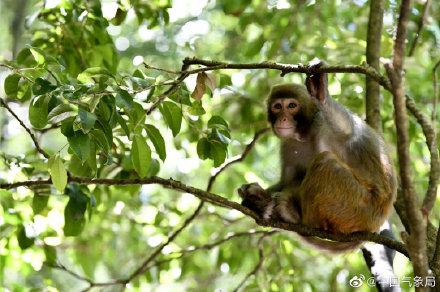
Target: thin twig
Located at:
point(91, 284)
point(173, 88)
point(256, 268)
point(209, 246)
point(420, 24)
point(34, 139)
point(150, 259)
point(147, 66)
point(431, 141)
point(436, 92)
point(141, 269)
point(243, 155)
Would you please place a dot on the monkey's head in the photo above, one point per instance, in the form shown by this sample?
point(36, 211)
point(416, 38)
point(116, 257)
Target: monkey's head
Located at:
point(291, 111)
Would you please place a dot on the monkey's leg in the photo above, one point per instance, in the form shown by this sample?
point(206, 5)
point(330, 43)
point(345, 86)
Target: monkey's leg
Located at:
point(332, 198)
point(255, 198)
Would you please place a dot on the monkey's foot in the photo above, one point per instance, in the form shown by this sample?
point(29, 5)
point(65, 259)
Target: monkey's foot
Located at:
point(254, 197)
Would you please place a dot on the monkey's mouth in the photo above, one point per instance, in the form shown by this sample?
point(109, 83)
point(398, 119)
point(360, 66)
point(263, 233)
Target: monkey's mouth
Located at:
point(288, 133)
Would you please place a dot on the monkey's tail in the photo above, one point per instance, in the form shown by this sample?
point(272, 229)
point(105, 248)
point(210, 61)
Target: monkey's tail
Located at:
point(332, 246)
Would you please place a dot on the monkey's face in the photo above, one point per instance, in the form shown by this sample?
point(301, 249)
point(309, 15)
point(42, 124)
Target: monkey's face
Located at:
point(282, 113)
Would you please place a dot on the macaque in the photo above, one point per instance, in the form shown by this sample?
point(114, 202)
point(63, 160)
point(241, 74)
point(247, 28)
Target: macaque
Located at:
point(336, 174)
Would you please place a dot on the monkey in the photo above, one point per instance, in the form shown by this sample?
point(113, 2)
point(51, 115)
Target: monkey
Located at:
point(336, 173)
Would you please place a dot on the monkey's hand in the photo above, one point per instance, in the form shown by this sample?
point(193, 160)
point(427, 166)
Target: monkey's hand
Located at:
point(255, 198)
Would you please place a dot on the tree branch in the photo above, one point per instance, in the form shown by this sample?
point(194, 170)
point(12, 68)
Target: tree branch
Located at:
point(372, 96)
point(431, 141)
point(417, 239)
point(257, 266)
point(209, 246)
point(435, 263)
point(34, 139)
point(144, 266)
point(420, 24)
point(141, 269)
point(222, 202)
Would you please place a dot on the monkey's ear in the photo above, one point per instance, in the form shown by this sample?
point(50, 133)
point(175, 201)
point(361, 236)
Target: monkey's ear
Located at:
point(317, 84)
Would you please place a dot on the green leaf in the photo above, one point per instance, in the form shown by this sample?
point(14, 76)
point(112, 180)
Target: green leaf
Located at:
point(86, 75)
point(203, 148)
point(119, 17)
point(25, 57)
point(58, 173)
point(39, 203)
point(157, 139)
point(23, 241)
point(78, 167)
point(42, 86)
point(87, 120)
point(124, 100)
point(101, 140)
point(51, 254)
point(140, 155)
point(123, 124)
point(137, 116)
point(182, 96)
point(154, 167)
point(217, 121)
point(221, 136)
point(38, 56)
point(218, 153)
point(74, 220)
point(138, 74)
point(80, 144)
point(11, 85)
point(197, 109)
point(172, 115)
point(38, 114)
point(60, 113)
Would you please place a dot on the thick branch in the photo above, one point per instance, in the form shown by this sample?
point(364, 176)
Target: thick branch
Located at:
point(372, 97)
point(222, 202)
point(417, 239)
point(436, 258)
point(287, 68)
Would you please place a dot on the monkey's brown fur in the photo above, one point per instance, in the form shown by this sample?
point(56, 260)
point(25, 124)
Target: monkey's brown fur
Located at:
point(336, 172)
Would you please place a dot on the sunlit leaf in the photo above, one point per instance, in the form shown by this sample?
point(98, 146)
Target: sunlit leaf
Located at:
point(140, 155)
point(58, 173)
point(11, 85)
point(157, 139)
point(172, 115)
point(38, 111)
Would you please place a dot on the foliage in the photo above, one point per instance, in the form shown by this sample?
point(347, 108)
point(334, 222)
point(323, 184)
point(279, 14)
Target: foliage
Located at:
point(103, 109)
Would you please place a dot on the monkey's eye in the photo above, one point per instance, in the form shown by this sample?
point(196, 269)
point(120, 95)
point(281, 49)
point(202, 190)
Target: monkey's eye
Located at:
point(292, 105)
point(277, 106)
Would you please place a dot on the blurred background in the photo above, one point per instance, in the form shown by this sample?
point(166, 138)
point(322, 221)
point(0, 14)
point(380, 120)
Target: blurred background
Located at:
point(123, 225)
